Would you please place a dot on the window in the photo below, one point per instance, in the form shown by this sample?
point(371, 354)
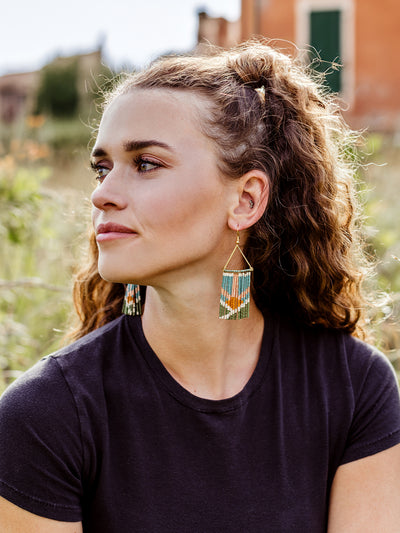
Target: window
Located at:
point(326, 29)
point(324, 39)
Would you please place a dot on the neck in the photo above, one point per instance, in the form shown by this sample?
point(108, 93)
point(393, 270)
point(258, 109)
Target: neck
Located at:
point(210, 357)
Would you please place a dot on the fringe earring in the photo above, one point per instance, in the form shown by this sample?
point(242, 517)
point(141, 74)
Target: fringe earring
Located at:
point(235, 291)
point(132, 302)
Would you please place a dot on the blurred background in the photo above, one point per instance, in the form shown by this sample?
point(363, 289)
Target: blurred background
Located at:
point(55, 61)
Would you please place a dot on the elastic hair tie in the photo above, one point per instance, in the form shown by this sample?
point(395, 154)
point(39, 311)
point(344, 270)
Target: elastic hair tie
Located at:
point(261, 93)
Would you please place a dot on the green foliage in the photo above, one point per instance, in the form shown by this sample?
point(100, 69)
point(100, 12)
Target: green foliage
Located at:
point(379, 184)
point(58, 93)
point(40, 231)
point(20, 204)
point(65, 134)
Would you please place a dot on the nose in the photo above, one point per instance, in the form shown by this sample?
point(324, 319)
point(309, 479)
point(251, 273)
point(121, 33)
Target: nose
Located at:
point(111, 193)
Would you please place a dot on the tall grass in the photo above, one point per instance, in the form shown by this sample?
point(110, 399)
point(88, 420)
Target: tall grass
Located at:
point(380, 179)
point(42, 232)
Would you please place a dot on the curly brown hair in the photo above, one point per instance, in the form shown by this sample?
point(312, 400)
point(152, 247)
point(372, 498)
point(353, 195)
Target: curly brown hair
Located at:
point(265, 111)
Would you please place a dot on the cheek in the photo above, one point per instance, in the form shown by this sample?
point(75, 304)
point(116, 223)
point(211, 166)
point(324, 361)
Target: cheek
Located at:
point(173, 203)
point(185, 208)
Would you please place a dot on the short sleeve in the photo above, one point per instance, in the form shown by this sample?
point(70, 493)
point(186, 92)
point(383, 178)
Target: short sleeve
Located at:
point(40, 445)
point(376, 420)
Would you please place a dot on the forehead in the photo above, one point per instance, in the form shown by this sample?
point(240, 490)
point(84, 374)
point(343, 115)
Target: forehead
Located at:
point(152, 113)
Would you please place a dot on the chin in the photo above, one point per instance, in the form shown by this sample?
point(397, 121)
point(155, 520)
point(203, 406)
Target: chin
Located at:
point(111, 268)
point(114, 275)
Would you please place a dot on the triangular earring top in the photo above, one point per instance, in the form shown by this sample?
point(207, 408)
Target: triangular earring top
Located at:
point(237, 247)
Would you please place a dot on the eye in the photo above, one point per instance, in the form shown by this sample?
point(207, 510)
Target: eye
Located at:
point(145, 165)
point(100, 171)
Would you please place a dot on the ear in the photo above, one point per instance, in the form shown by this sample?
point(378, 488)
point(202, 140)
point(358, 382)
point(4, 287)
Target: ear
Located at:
point(251, 200)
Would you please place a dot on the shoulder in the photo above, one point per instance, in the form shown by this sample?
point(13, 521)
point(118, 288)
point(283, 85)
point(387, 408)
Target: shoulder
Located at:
point(347, 373)
point(344, 381)
point(99, 341)
point(330, 349)
point(367, 363)
point(38, 398)
point(365, 366)
point(100, 349)
point(51, 382)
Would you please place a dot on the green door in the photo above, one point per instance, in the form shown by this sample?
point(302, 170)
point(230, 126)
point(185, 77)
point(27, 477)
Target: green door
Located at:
point(325, 39)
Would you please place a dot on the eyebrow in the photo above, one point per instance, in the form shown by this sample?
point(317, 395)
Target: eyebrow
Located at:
point(132, 146)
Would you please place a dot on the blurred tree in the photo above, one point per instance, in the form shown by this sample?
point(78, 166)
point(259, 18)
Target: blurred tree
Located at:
point(58, 93)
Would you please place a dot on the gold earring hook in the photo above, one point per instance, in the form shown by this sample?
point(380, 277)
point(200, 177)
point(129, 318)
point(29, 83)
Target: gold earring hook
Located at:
point(237, 247)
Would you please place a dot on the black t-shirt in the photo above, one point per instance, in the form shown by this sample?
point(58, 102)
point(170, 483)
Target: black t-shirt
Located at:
point(101, 432)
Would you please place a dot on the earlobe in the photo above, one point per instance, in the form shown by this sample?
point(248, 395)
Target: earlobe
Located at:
point(252, 199)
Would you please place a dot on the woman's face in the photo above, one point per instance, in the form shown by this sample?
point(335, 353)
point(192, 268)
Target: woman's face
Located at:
point(161, 205)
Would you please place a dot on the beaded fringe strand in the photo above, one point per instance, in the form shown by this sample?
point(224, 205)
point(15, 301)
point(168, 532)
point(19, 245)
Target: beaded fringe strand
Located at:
point(132, 302)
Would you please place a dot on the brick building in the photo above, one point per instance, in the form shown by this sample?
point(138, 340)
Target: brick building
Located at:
point(17, 94)
point(217, 30)
point(362, 35)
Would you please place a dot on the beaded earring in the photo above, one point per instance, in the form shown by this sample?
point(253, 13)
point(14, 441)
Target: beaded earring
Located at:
point(235, 290)
point(132, 302)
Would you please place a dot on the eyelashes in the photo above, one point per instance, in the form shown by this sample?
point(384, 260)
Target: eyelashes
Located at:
point(142, 165)
point(99, 171)
point(145, 165)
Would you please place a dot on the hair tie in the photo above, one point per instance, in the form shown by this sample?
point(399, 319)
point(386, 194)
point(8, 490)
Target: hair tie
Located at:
point(261, 93)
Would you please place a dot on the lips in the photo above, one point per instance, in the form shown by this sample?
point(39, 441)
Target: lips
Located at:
point(111, 230)
point(111, 227)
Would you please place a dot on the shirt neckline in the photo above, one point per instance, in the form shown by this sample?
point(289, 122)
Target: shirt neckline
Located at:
point(190, 400)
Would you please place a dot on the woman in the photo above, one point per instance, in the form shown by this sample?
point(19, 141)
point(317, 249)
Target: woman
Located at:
point(168, 418)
